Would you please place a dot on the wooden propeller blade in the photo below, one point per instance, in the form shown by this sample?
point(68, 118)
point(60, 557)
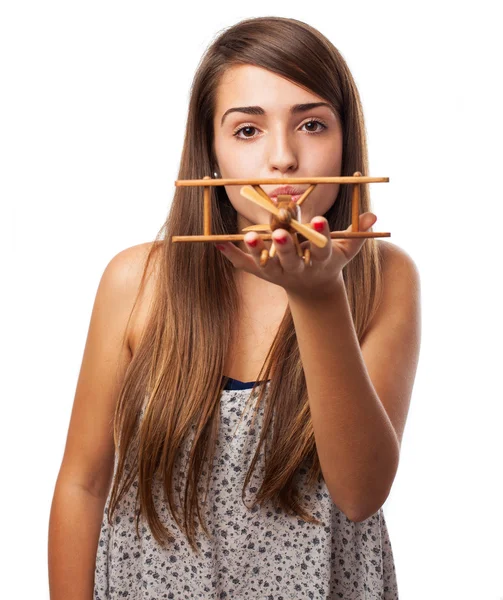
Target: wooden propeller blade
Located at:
point(313, 236)
point(248, 192)
point(260, 227)
point(308, 232)
point(266, 227)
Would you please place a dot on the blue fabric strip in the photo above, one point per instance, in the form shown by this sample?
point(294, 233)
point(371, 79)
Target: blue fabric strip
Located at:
point(235, 384)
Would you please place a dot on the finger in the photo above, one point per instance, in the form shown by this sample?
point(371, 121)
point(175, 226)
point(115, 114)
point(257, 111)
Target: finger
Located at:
point(256, 248)
point(287, 251)
point(237, 257)
point(351, 246)
point(255, 245)
point(367, 220)
point(320, 224)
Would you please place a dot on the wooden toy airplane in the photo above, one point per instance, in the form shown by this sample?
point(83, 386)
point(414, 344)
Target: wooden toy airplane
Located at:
point(285, 214)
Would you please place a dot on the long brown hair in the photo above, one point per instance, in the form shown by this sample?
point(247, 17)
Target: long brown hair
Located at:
point(179, 363)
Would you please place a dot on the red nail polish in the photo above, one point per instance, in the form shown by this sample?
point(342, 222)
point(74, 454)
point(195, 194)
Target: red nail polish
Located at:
point(252, 243)
point(220, 247)
point(280, 240)
point(318, 225)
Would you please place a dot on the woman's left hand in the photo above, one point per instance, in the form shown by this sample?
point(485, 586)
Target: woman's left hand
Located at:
point(288, 269)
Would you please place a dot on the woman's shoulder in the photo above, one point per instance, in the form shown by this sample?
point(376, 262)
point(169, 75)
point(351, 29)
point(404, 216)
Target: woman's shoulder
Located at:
point(401, 279)
point(128, 267)
point(395, 258)
point(137, 254)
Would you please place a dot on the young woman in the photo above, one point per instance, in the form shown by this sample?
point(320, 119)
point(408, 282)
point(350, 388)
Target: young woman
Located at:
point(190, 496)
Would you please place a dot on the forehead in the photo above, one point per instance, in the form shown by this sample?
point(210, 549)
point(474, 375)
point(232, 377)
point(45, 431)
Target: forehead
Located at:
point(248, 85)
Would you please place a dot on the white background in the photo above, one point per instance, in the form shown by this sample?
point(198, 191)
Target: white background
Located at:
point(93, 105)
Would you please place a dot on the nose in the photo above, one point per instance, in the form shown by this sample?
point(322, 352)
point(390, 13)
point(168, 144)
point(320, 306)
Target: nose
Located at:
point(282, 154)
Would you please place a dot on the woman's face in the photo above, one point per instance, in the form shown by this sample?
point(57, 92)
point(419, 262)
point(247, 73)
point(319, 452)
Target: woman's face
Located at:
point(261, 132)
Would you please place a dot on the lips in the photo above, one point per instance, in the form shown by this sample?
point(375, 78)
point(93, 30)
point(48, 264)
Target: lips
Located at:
point(293, 191)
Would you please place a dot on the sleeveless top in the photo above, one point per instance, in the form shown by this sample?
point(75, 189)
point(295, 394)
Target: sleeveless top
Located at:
point(258, 552)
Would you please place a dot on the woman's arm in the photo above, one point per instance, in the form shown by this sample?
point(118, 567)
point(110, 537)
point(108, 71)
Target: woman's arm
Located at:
point(74, 530)
point(87, 468)
point(359, 397)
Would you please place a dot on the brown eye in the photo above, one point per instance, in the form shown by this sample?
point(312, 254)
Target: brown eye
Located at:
point(314, 125)
point(248, 131)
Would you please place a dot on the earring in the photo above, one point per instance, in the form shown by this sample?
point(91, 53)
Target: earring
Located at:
point(215, 174)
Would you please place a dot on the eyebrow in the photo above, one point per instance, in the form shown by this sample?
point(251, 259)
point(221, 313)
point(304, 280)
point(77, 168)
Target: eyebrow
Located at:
point(258, 110)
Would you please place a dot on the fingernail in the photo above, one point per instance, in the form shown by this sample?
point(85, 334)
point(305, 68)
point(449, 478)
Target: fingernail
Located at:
point(252, 243)
point(280, 240)
point(319, 225)
point(220, 247)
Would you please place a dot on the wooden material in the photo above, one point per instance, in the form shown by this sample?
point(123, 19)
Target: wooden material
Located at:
point(305, 194)
point(264, 257)
point(287, 212)
point(236, 237)
point(261, 227)
point(355, 205)
point(260, 191)
point(207, 209)
point(280, 181)
point(252, 191)
point(284, 216)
